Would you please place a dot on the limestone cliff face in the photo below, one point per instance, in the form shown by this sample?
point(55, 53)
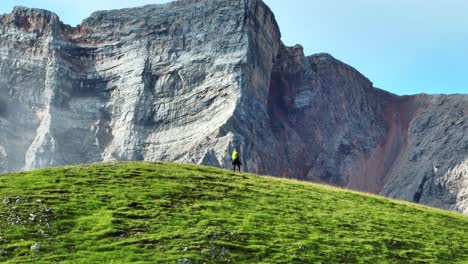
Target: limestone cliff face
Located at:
point(190, 80)
point(152, 83)
point(432, 165)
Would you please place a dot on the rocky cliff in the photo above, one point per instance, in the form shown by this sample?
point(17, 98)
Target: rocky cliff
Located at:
point(190, 80)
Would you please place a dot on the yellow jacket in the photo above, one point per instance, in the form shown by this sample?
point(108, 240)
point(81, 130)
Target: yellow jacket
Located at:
point(235, 155)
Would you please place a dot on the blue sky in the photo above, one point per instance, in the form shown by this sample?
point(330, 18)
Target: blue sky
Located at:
point(402, 46)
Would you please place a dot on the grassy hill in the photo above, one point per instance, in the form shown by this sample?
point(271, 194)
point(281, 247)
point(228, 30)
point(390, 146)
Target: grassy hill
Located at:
point(171, 213)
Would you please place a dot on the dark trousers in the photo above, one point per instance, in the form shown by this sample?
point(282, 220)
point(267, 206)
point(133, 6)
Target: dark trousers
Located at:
point(235, 163)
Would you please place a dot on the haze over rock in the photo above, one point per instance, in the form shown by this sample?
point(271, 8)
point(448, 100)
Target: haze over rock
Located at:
point(190, 80)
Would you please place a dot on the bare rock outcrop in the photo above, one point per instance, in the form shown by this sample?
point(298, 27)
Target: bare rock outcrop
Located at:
point(190, 80)
point(432, 165)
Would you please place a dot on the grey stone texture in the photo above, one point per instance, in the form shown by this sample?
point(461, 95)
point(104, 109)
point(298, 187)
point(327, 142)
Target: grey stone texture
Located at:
point(190, 80)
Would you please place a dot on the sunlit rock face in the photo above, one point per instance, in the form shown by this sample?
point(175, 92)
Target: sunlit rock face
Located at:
point(189, 81)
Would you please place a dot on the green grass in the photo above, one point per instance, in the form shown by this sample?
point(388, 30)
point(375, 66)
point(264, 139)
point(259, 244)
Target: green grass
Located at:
point(171, 213)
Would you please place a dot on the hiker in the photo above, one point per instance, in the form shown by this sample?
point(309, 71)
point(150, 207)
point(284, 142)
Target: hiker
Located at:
point(235, 160)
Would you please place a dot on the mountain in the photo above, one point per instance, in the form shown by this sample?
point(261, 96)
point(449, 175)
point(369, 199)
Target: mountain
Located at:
point(190, 80)
point(135, 212)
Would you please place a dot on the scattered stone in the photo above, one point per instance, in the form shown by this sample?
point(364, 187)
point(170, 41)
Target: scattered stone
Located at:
point(184, 260)
point(3, 240)
point(36, 246)
point(32, 217)
point(6, 200)
point(43, 233)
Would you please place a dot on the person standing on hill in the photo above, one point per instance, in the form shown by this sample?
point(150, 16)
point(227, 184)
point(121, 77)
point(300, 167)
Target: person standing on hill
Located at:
point(236, 161)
